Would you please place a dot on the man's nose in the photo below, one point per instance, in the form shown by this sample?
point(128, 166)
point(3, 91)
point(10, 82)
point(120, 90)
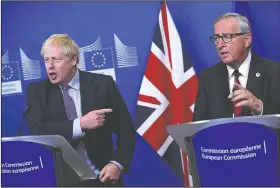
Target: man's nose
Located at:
point(50, 65)
point(220, 43)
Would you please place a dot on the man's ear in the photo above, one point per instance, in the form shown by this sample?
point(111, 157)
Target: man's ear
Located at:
point(74, 61)
point(248, 39)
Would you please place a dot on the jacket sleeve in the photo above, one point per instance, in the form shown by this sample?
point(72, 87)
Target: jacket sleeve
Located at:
point(271, 103)
point(122, 127)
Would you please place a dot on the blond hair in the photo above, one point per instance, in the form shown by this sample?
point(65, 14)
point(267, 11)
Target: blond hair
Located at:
point(69, 46)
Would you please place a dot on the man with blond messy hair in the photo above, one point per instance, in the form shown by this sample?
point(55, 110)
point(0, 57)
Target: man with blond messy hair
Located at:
point(85, 108)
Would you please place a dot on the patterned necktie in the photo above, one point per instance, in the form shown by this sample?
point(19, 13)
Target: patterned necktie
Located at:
point(70, 110)
point(69, 104)
point(236, 110)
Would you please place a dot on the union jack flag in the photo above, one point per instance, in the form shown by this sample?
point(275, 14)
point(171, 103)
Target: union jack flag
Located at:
point(167, 94)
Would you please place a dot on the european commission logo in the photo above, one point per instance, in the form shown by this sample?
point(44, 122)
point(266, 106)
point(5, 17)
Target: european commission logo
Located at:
point(95, 58)
point(126, 55)
point(11, 75)
point(100, 61)
point(11, 83)
point(31, 69)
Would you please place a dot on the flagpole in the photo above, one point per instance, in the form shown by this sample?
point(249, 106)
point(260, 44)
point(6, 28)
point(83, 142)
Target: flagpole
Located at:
point(163, 2)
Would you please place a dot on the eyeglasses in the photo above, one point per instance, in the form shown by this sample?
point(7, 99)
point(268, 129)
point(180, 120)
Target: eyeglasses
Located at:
point(225, 37)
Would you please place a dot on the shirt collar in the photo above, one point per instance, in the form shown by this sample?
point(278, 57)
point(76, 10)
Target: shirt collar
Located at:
point(243, 69)
point(75, 82)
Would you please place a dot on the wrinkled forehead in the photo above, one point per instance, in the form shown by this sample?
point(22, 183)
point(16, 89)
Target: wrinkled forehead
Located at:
point(227, 25)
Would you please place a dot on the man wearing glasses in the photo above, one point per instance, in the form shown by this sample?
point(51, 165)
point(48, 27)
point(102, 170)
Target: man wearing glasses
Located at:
point(243, 83)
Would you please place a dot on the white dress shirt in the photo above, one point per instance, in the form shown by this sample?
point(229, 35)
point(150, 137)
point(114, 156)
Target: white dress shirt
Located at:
point(74, 92)
point(244, 71)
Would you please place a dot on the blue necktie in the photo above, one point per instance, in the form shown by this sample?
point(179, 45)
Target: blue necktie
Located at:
point(70, 110)
point(69, 104)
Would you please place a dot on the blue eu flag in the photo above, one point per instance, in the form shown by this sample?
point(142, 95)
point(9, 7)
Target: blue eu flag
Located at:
point(10, 72)
point(99, 59)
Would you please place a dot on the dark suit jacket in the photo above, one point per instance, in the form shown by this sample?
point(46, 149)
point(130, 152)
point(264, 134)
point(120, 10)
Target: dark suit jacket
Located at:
point(212, 99)
point(47, 116)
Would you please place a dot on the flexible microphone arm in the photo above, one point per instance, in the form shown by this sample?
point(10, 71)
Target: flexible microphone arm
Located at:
point(22, 119)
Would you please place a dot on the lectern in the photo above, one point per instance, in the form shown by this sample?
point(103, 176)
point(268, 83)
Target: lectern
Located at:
point(37, 161)
point(240, 151)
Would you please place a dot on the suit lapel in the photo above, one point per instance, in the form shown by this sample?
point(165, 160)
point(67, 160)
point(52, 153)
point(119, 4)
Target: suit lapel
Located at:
point(55, 102)
point(254, 79)
point(87, 89)
point(223, 86)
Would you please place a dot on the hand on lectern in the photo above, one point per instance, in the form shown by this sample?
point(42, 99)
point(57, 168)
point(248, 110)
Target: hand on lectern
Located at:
point(110, 173)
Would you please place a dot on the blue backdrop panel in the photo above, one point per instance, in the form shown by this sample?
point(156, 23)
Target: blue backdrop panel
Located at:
point(124, 29)
point(265, 23)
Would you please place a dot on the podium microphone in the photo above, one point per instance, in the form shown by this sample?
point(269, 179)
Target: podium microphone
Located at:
point(22, 119)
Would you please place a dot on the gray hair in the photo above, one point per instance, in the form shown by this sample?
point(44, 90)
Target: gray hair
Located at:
point(244, 24)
